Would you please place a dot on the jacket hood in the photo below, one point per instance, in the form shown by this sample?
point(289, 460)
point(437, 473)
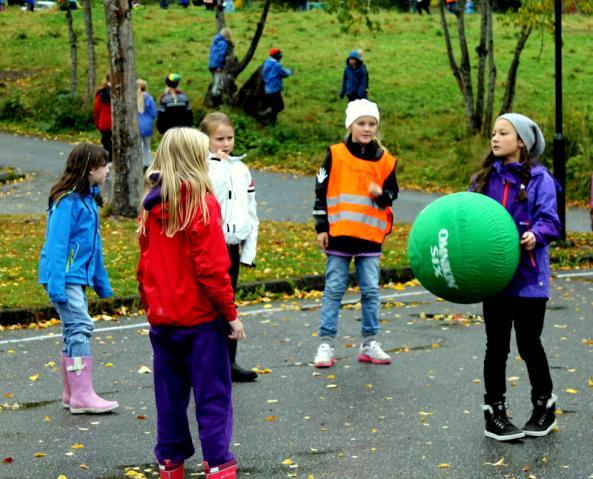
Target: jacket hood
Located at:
point(537, 169)
point(354, 54)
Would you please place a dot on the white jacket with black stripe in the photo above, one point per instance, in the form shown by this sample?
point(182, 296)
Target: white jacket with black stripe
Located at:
point(235, 190)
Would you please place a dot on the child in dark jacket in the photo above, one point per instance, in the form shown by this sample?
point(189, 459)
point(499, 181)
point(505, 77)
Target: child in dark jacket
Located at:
point(174, 107)
point(355, 81)
point(185, 286)
point(72, 260)
point(511, 175)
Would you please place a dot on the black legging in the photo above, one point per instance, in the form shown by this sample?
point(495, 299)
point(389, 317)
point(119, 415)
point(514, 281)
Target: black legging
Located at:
point(235, 255)
point(527, 314)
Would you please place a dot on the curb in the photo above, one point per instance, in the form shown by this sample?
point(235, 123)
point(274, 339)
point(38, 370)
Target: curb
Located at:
point(11, 317)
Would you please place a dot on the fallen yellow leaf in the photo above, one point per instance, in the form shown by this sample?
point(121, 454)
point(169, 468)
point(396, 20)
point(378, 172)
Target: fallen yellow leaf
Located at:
point(39, 454)
point(590, 382)
point(443, 465)
point(287, 462)
point(34, 377)
point(108, 365)
point(77, 446)
point(62, 476)
point(144, 370)
point(571, 391)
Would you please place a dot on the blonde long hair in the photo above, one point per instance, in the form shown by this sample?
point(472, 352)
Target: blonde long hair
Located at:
point(141, 87)
point(181, 163)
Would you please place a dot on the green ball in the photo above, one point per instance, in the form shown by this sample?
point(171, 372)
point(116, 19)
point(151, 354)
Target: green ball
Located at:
point(464, 247)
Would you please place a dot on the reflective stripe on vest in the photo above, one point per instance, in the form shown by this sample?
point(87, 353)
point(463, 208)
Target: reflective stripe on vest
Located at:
point(350, 209)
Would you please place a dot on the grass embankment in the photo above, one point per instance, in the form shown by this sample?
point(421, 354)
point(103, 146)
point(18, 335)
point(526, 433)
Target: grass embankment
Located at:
point(286, 250)
point(422, 109)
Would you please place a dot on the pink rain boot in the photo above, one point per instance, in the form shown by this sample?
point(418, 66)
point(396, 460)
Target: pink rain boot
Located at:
point(171, 471)
point(66, 386)
point(83, 398)
point(228, 470)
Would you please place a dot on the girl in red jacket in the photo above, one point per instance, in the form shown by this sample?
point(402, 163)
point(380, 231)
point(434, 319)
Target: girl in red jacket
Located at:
point(185, 287)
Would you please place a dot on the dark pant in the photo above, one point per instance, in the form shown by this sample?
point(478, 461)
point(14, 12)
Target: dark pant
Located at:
point(185, 359)
point(423, 5)
point(106, 142)
point(235, 255)
point(275, 102)
point(527, 315)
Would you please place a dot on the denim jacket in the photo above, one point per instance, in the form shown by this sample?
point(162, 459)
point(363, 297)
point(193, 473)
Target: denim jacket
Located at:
point(537, 214)
point(72, 253)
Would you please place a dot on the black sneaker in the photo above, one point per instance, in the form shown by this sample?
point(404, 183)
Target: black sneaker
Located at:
point(241, 375)
point(498, 425)
point(542, 419)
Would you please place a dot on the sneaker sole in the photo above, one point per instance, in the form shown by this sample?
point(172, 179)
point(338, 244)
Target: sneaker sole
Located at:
point(363, 358)
point(328, 364)
point(540, 433)
point(510, 437)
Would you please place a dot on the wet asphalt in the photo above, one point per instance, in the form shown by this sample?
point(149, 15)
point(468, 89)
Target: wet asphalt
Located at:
point(418, 418)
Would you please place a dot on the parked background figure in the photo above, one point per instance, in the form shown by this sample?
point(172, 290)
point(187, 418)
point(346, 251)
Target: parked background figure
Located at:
point(451, 5)
point(102, 114)
point(174, 107)
point(273, 72)
point(216, 62)
point(146, 117)
point(355, 80)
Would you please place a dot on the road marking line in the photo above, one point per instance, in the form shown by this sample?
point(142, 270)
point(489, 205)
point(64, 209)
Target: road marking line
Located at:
point(254, 312)
point(574, 275)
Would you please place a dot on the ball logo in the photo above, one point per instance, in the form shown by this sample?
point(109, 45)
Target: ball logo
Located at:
point(440, 259)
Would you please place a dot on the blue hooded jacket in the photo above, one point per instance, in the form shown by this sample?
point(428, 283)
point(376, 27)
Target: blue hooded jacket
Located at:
point(355, 80)
point(73, 253)
point(218, 51)
point(537, 214)
point(273, 72)
point(146, 118)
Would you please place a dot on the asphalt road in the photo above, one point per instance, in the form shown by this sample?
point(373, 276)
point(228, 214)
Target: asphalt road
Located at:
point(418, 418)
point(280, 197)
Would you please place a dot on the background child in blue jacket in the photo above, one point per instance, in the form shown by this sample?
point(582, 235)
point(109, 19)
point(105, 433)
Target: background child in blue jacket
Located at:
point(355, 81)
point(273, 72)
point(72, 260)
point(216, 62)
point(512, 176)
point(146, 116)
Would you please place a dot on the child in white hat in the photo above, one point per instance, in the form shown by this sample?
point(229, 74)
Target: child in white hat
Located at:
point(354, 191)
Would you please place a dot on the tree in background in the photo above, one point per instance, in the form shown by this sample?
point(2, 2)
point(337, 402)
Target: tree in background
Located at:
point(90, 50)
point(233, 67)
point(127, 153)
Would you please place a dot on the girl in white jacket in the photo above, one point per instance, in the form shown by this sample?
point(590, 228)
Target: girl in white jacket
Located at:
point(235, 191)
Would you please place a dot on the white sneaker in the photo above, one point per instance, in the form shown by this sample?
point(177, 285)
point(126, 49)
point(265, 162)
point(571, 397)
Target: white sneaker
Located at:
point(372, 353)
point(325, 356)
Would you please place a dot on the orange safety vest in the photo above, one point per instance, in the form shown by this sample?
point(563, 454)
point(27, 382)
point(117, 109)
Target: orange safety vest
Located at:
point(350, 209)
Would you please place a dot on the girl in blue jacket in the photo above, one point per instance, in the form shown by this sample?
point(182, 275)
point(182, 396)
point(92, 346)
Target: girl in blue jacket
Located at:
point(146, 117)
point(72, 260)
point(512, 176)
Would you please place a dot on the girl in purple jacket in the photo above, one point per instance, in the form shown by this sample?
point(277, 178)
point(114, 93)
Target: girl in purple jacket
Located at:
point(512, 176)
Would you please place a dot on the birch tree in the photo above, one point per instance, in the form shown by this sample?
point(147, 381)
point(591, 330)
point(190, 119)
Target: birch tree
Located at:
point(127, 154)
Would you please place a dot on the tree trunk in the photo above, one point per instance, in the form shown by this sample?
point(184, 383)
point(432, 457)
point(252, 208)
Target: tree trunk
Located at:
point(448, 45)
point(233, 67)
point(465, 70)
point(509, 93)
point(90, 50)
point(487, 126)
point(73, 51)
point(482, 52)
point(219, 14)
point(127, 154)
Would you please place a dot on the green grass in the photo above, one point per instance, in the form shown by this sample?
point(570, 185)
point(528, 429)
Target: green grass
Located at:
point(285, 250)
point(422, 110)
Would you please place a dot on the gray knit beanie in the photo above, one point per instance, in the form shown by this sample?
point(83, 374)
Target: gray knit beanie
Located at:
point(528, 132)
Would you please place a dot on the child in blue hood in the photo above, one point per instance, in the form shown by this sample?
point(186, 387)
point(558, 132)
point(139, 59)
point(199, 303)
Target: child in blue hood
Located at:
point(71, 261)
point(355, 81)
point(512, 176)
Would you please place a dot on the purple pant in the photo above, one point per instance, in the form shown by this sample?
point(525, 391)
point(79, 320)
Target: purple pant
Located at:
point(186, 358)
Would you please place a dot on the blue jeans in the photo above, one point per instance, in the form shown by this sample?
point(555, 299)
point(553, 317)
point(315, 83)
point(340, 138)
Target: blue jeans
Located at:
point(77, 325)
point(336, 282)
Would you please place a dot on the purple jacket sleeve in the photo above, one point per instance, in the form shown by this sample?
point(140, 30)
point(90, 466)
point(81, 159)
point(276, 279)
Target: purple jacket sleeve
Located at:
point(544, 218)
